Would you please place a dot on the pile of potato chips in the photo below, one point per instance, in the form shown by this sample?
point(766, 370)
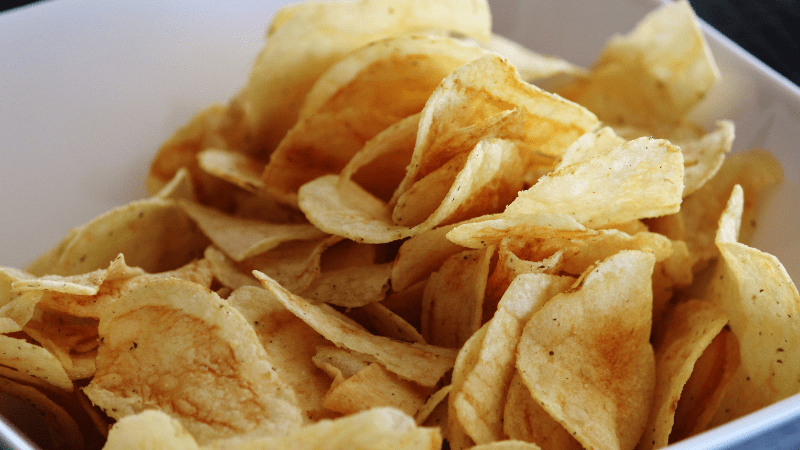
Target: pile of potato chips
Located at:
point(407, 232)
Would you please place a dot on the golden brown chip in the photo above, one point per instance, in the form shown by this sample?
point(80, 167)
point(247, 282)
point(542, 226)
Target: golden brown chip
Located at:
point(176, 346)
point(421, 255)
point(586, 356)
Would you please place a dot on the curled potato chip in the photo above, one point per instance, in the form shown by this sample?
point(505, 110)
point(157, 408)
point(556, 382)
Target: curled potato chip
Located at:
point(452, 303)
point(480, 401)
point(343, 208)
point(425, 364)
point(763, 304)
point(233, 167)
point(586, 357)
point(463, 108)
point(652, 76)
point(526, 420)
point(176, 346)
point(309, 39)
point(351, 287)
point(421, 255)
point(692, 327)
point(31, 364)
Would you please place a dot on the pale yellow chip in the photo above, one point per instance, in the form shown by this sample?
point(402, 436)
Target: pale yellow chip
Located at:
point(149, 429)
point(465, 361)
point(477, 94)
point(343, 208)
point(387, 323)
point(586, 356)
point(452, 303)
point(425, 364)
point(691, 328)
point(351, 287)
point(536, 68)
point(31, 364)
point(385, 428)
point(480, 401)
point(756, 171)
point(242, 238)
point(373, 387)
point(526, 420)
point(652, 76)
point(703, 157)
point(421, 255)
point(176, 346)
point(304, 43)
point(290, 345)
point(154, 234)
point(642, 178)
point(758, 295)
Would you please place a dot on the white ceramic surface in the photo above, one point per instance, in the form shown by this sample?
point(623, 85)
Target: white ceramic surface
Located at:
point(89, 89)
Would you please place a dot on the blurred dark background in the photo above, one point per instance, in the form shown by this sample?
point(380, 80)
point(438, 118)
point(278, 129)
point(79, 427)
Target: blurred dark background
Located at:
point(769, 29)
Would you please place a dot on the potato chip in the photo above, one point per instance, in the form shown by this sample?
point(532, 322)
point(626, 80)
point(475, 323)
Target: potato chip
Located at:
point(150, 429)
point(290, 346)
point(386, 428)
point(691, 328)
point(387, 323)
point(479, 402)
point(153, 234)
point(642, 178)
point(508, 445)
point(763, 304)
point(465, 361)
point(218, 126)
point(704, 391)
point(652, 76)
point(425, 364)
point(702, 158)
point(380, 165)
point(373, 387)
point(452, 304)
point(294, 264)
point(465, 103)
point(756, 172)
point(597, 382)
point(242, 238)
point(341, 207)
point(31, 364)
point(233, 167)
point(526, 420)
point(351, 287)
point(314, 36)
point(421, 255)
point(176, 346)
point(436, 400)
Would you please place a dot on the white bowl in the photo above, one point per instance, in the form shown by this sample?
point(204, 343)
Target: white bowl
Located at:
point(88, 91)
